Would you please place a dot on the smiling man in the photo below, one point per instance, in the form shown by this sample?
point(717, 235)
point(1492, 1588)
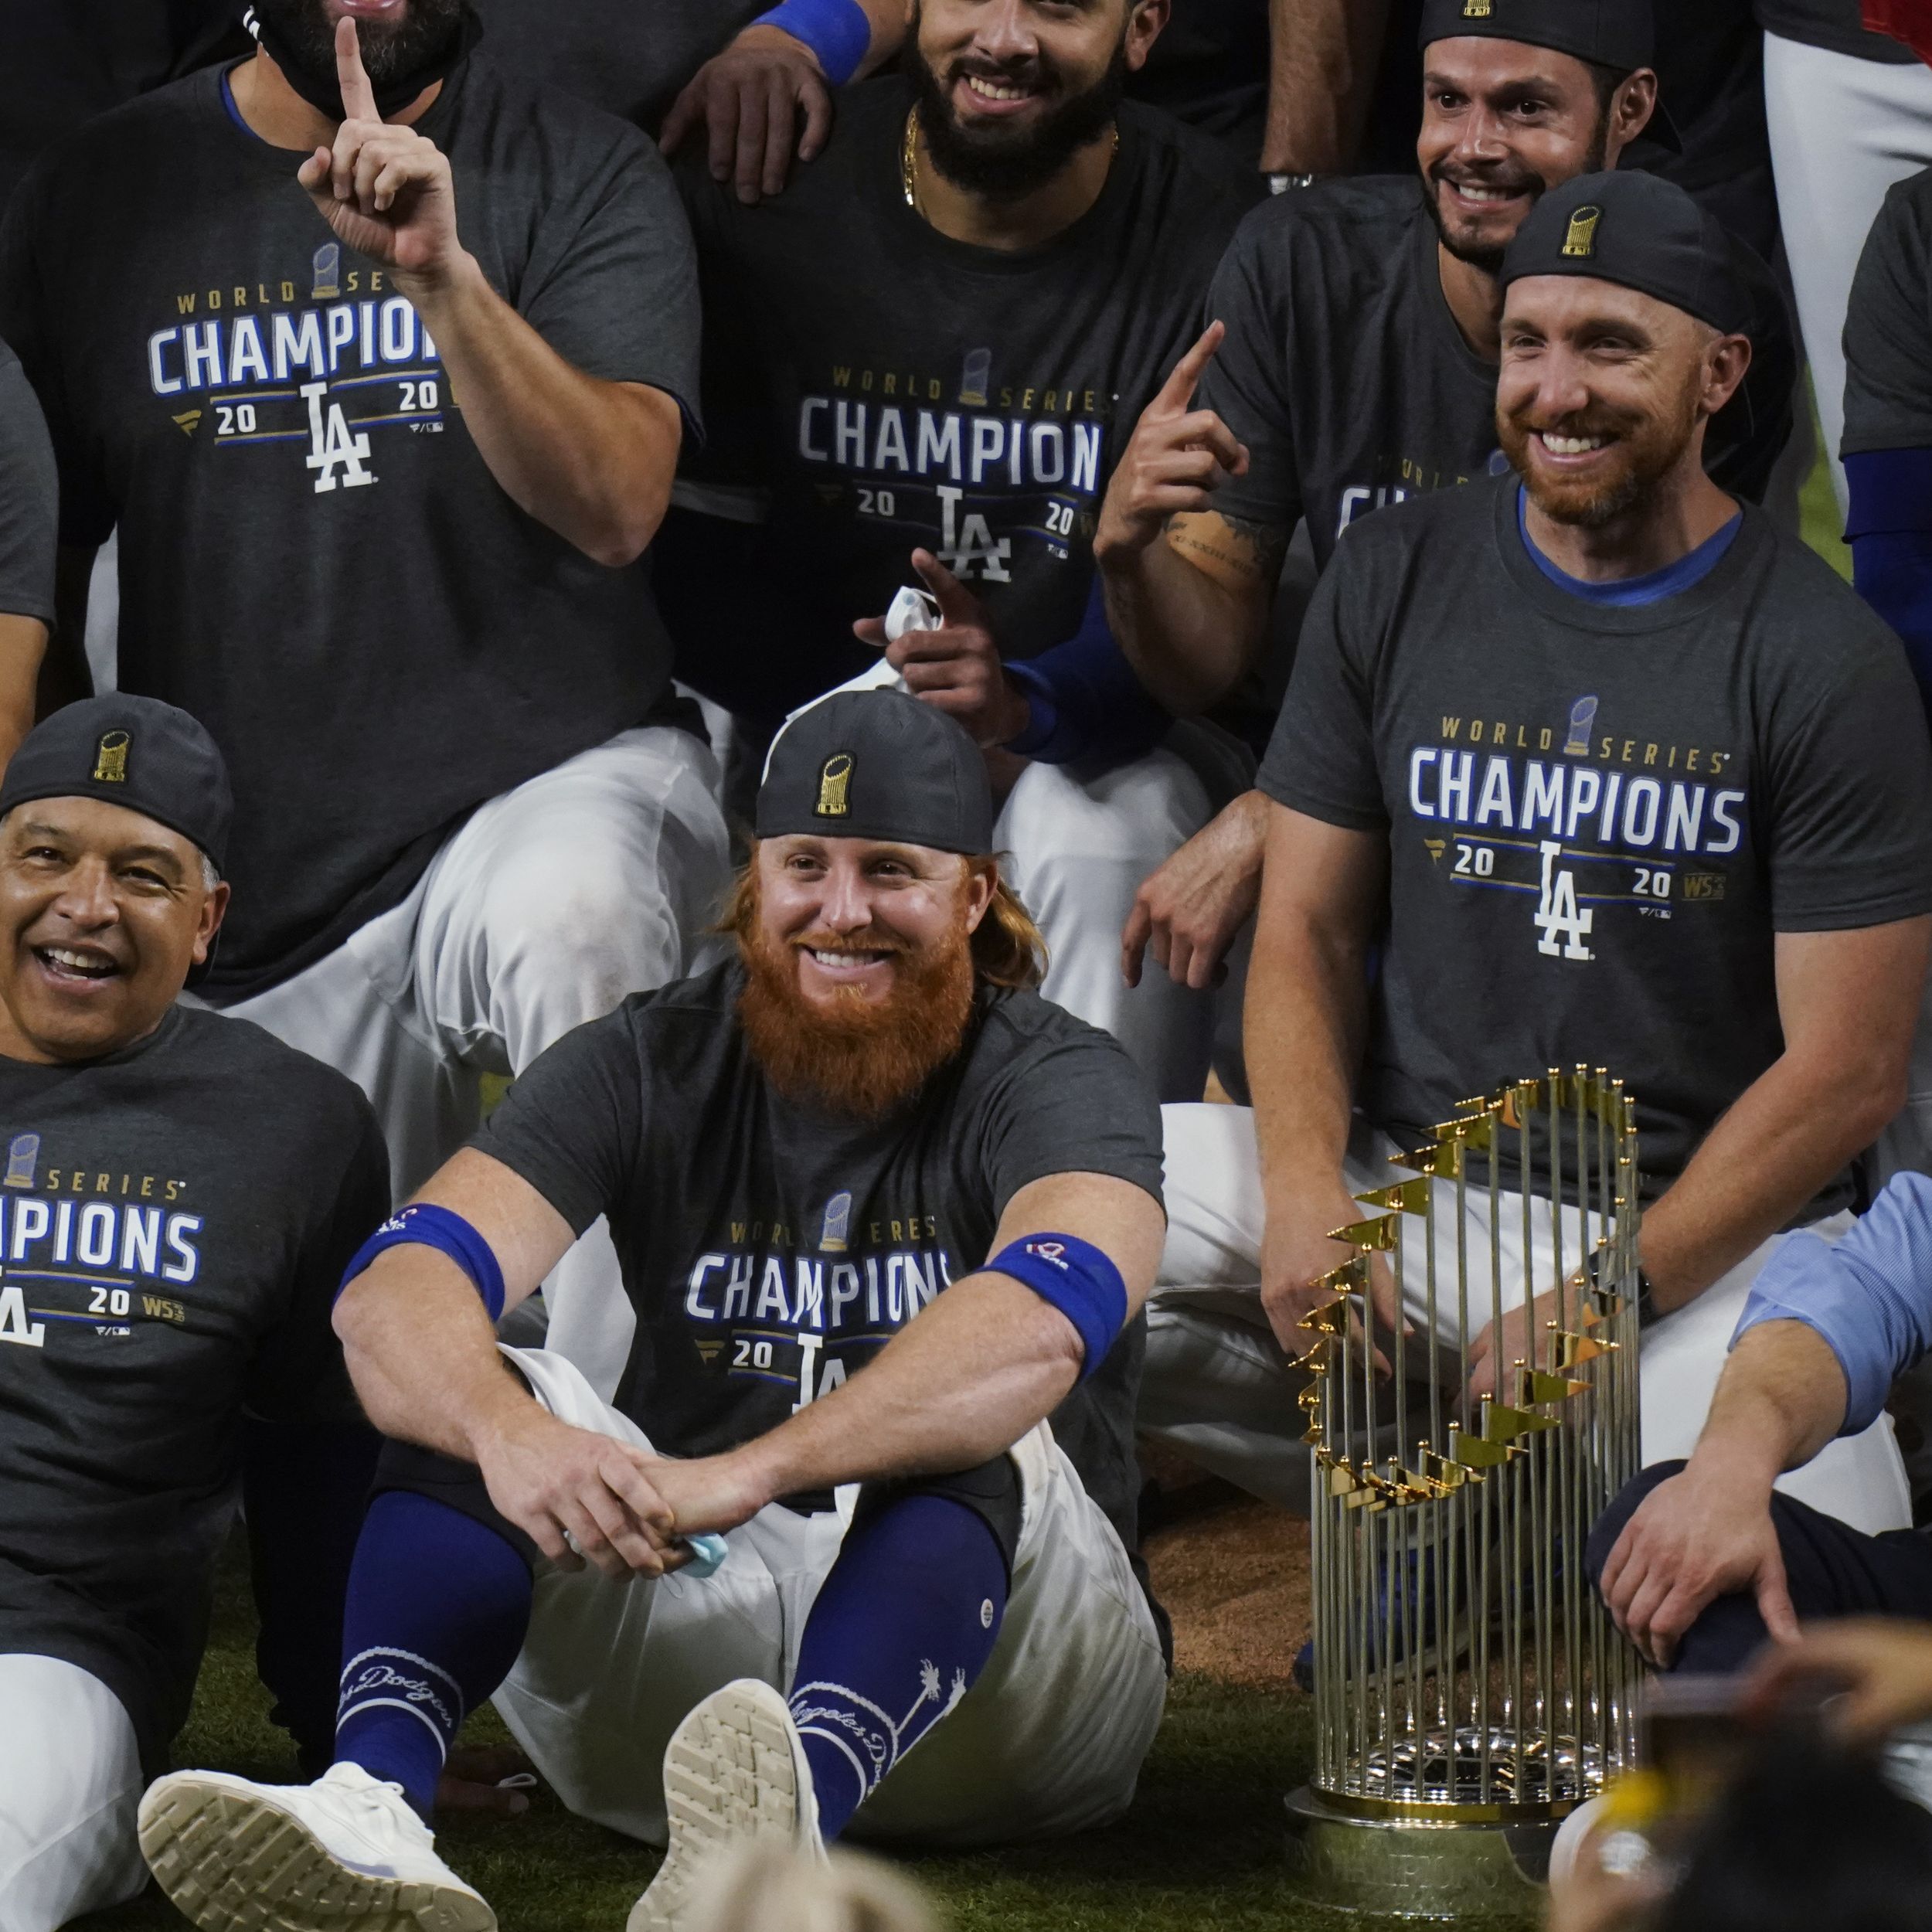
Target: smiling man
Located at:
point(181, 1194)
point(921, 364)
point(1359, 367)
point(1613, 773)
point(882, 1210)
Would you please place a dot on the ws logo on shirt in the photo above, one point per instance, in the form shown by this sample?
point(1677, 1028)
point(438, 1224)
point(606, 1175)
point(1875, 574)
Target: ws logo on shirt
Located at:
point(1596, 820)
point(103, 1265)
point(326, 373)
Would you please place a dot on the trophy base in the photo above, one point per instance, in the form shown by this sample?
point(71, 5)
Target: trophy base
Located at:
point(1407, 1868)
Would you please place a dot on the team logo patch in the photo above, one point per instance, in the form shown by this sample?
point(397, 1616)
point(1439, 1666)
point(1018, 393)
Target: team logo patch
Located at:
point(110, 759)
point(834, 784)
point(1580, 243)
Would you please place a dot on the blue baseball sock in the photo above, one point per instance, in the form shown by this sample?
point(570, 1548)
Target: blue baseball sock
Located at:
point(900, 1631)
point(438, 1608)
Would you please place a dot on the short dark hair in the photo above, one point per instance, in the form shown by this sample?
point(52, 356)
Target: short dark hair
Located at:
point(1608, 81)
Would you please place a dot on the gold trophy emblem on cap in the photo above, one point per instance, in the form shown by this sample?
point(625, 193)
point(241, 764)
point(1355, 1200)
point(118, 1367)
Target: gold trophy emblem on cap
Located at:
point(834, 782)
point(1580, 243)
point(110, 759)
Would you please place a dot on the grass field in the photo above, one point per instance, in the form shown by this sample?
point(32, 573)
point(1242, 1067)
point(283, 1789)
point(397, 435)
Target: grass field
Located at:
point(1203, 1844)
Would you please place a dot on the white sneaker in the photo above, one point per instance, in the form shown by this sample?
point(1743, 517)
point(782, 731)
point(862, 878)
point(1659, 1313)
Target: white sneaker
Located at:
point(734, 1772)
point(345, 1854)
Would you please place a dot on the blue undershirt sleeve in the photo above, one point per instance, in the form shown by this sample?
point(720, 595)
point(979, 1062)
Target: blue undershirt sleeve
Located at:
point(1889, 530)
point(1084, 698)
point(1868, 1298)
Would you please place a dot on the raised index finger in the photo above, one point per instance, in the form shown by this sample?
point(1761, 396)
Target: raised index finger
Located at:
point(1177, 391)
point(358, 97)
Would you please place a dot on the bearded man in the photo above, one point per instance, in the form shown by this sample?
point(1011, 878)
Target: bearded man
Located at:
point(375, 355)
point(921, 364)
point(1614, 772)
point(881, 1210)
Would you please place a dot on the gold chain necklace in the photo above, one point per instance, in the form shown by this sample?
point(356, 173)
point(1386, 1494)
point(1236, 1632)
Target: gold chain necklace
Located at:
point(909, 160)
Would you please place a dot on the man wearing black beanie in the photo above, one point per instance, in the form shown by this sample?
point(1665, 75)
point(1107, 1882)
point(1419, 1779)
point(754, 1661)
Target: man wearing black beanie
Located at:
point(181, 1193)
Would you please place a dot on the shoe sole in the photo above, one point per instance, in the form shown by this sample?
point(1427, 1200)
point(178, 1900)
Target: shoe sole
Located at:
point(734, 1773)
point(233, 1861)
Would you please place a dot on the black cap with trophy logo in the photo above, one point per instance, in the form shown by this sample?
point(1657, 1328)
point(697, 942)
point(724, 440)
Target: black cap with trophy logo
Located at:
point(131, 751)
point(1640, 232)
point(878, 764)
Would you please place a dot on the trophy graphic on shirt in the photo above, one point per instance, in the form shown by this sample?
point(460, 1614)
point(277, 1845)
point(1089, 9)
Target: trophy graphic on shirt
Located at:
point(1470, 1688)
point(1582, 715)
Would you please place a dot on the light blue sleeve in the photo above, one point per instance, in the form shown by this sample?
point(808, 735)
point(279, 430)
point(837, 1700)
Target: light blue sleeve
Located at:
point(1868, 1297)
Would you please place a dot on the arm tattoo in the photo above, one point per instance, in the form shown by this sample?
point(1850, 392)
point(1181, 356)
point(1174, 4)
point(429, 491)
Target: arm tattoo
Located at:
point(1237, 543)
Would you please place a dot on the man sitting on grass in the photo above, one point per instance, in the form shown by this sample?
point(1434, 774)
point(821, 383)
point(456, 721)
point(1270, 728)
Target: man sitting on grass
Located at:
point(881, 1210)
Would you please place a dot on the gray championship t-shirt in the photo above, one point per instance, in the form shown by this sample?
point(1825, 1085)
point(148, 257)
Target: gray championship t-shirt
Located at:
point(771, 1248)
point(1345, 375)
point(175, 1219)
point(29, 499)
point(1837, 25)
point(1888, 328)
point(879, 385)
point(1598, 820)
point(314, 559)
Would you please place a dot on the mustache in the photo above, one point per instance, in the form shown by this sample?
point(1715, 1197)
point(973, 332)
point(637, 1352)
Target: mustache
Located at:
point(1035, 73)
point(866, 942)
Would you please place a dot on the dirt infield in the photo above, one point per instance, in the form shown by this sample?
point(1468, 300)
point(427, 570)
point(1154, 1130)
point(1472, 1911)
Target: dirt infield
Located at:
point(1233, 1574)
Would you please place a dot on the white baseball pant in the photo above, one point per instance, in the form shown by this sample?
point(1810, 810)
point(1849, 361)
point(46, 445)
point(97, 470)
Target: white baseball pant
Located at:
point(69, 1781)
point(549, 905)
point(1220, 1387)
point(1049, 1741)
point(1843, 130)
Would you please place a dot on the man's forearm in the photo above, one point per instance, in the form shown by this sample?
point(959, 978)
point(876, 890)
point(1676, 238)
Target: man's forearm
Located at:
point(1188, 637)
point(23, 647)
point(1321, 77)
point(980, 1367)
point(1780, 1400)
point(422, 1353)
point(591, 460)
point(1789, 1133)
point(1306, 1014)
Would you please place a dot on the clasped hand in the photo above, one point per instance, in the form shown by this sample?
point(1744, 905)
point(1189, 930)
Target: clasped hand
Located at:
point(585, 1498)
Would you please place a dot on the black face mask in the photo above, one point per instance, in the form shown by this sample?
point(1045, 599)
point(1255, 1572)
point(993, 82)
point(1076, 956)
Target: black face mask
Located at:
point(311, 71)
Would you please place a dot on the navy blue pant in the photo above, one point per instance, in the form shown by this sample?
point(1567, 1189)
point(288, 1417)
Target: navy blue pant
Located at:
point(1831, 1570)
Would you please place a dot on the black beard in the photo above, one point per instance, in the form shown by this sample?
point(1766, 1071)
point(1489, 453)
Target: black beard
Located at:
point(1008, 168)
point(304, 35)
point(1489, 260)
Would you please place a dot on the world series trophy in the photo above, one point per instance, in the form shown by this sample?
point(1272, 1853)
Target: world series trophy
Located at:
point(1470, 1689)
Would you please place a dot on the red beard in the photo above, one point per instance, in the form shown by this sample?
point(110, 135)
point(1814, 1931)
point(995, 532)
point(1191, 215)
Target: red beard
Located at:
point(1647, 451)
point(847, 1053)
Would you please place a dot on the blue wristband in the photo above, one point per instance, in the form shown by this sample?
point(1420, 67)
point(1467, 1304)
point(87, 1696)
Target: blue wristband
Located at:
point(426, 1225)
point(837, 31)
point(1080, 1280)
